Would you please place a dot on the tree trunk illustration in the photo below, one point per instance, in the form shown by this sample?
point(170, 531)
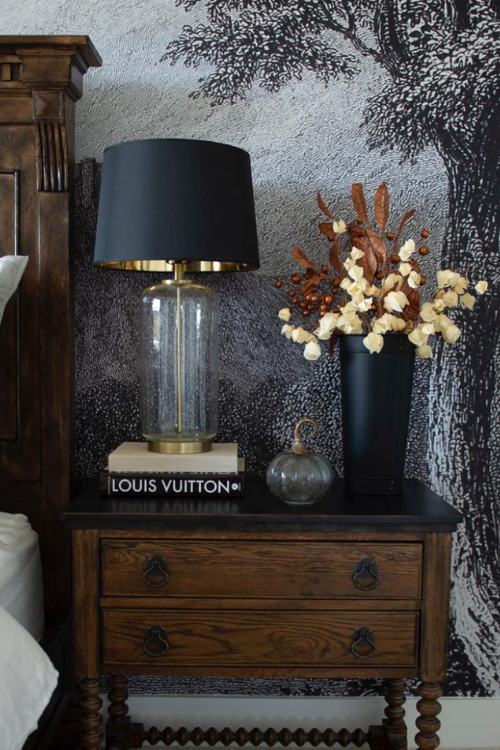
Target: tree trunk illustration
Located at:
point(462, 455)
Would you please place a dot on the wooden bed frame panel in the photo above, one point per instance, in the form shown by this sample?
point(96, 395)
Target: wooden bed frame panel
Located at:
point(40, 81)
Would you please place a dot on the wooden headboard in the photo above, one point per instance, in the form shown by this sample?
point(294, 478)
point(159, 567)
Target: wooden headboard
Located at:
point(40, 81)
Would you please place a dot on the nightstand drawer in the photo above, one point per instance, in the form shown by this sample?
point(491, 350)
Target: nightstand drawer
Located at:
point(239, 638)
point(261, 569)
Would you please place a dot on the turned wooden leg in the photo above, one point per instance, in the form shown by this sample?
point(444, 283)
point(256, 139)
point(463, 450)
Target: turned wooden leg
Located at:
point(427, 722)
point(90, 715)
point(118, 696)
point(118, 727)
point(395, 725)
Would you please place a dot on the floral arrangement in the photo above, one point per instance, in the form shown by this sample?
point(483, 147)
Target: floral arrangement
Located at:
point(372, 284)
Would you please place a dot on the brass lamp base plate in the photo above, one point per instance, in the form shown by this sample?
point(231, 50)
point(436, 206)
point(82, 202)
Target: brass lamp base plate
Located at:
point(177, 446)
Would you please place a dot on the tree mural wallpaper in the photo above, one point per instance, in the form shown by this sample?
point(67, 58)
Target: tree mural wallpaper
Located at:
point(442, 61)
point(322, 93)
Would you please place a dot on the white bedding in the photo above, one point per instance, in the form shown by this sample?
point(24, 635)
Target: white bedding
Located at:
point(21, 586)
point(27, 681)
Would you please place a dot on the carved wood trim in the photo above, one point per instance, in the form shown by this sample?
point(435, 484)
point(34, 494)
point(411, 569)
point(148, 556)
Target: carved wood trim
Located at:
point(52, 157)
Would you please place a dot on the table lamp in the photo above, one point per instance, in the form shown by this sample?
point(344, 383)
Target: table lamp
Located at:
point(174, 205)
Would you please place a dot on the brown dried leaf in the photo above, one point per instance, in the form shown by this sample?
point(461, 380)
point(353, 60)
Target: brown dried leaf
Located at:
point(323, 207)
point(325, 227)
point(335, 256)
point(412, 309)
point(299, 257)
point(382, 205)
point(378, 246)
point(406, 218)
point(358, 201)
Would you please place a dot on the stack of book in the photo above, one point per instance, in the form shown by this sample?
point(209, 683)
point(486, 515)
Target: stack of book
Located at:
point(134, 471)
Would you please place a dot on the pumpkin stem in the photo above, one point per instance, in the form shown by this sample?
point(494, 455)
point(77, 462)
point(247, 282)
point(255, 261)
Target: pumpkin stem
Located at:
point(297, 445)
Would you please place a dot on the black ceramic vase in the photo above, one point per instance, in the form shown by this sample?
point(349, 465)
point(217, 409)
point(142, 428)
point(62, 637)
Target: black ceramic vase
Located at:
point(376, 398)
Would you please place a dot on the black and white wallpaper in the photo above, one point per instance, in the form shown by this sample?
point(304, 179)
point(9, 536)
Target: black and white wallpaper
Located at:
point(322, 93)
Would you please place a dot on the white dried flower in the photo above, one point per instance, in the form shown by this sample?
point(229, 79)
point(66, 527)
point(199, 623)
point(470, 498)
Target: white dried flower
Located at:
point(439, 305)
point(481, 286)
point(404, 269)
point(428, 328)
point(284, 313)
point(461, 285)
point(398, 324)
point(392, 280)
point(339, 227)
point(428, 313)
point(447, 278)
point(450, 298)
point(451, 333)
point(356, 273)
point(395, 301)
point(424, 351)
point(312, 350)
point(467, 300)
point(384, 323)
point(407, 250)
point(345, 283)
point(374, 342)
point(417, 336)
point(350, 323)
point(442, 322)
point(356, 253)
point(301, 336)
point(414, 280)
point(287, 330)
point(373, 291)
point(326, 326)
point(364, 304)
point(349, 263)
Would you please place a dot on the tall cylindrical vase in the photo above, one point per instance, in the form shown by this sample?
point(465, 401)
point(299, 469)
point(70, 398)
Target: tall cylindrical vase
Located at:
point(376, 399)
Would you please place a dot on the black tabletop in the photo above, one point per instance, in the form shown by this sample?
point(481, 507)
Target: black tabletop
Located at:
point(417, 508)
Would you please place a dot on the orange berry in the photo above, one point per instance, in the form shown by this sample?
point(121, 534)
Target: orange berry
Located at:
point(389, 235)
point(295, 278)
point(395, 258)
point(425, 233)
point(278, 283)
point(423, 250)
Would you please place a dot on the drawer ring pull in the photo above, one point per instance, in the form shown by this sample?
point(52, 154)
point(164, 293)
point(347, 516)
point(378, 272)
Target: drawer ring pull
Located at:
point(365, 576)
point(156, 572)
point(363, 643)
point(155, 641)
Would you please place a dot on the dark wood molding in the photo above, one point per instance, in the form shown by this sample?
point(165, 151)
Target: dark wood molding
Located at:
point(41, 78)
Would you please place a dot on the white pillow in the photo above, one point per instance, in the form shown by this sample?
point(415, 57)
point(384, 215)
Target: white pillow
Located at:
point(27, 681)
point(11, 269)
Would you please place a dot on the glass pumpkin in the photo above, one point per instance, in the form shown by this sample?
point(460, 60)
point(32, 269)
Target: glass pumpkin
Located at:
point(299, 476)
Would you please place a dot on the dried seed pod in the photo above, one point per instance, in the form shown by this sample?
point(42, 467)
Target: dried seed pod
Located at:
point(395, 258)
point(291, 293)
point(390, 235)
point(423, 278)
point(423, 250)
point(324, 269)
point(380, 275)
point(425, 233)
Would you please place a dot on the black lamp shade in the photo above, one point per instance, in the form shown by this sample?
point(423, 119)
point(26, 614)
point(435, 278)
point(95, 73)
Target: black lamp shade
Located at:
point(176, 200)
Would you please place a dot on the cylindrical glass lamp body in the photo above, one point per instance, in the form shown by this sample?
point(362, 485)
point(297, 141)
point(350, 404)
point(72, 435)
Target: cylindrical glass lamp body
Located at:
point(179, 366)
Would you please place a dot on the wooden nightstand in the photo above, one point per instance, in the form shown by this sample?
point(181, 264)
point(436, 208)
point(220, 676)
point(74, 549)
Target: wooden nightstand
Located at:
point(353, 587)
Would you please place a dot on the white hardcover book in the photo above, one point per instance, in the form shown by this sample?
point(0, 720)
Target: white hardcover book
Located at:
point(136, 458)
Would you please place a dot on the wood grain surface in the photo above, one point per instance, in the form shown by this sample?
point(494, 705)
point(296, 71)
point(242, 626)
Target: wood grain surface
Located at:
point(259, 638)
point(260, 569)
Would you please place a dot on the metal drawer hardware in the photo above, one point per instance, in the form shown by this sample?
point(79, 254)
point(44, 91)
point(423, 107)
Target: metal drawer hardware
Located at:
point(155, 641)
point(365, 576)
point(363, 643)
point(156, 572)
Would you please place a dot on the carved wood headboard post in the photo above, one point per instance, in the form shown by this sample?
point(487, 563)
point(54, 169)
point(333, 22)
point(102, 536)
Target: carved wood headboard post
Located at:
point(40, 80)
